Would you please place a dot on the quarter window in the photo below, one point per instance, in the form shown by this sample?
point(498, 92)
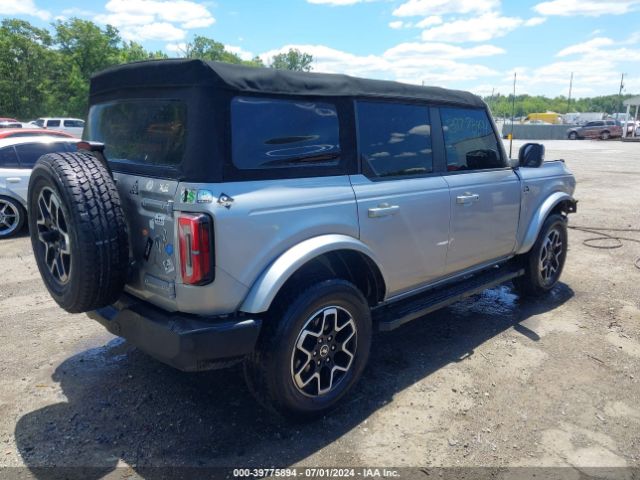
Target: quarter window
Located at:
point(74, 123)
point(470, 142)
point(394, 139)
point(273, 133)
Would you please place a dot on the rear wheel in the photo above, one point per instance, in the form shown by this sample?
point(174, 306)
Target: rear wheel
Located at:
point(545, 261)
point(313, 348)
point(78, 232)
point(12, 217)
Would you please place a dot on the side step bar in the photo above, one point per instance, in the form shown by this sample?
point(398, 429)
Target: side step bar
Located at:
point(391, 316)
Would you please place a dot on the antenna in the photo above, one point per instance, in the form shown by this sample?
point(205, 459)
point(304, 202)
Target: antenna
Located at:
point(570, 88)
point(513, 112)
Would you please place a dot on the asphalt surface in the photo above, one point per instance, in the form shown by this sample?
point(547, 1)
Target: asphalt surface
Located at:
point(492, 381)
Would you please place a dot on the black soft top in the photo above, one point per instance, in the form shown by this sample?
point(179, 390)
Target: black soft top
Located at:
point(240, 78)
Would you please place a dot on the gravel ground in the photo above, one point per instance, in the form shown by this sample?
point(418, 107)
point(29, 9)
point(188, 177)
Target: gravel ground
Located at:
point(492, 381)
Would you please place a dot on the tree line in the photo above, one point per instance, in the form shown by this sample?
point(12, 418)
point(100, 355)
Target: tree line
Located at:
point(502, 105)
point(46, 73)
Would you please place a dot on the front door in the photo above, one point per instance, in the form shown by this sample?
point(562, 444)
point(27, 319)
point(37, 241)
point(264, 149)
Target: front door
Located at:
point(484, 191)
point(403, 206)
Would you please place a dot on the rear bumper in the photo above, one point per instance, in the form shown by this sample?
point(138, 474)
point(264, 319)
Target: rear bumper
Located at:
point(186, 342)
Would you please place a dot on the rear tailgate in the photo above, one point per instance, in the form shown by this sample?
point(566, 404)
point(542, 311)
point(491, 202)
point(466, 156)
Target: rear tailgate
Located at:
point(148, 206)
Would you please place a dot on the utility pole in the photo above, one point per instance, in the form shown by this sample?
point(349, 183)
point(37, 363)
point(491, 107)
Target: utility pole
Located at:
point(513, 113)
point(619, 106)
point(569, 99)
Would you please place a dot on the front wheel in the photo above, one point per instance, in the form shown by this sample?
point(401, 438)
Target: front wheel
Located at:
point(545, 261)
point(605, 135)
point(312, 350)
point(573, 136)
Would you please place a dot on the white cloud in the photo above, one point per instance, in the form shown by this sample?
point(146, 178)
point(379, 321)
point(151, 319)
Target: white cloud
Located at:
point(592, 8)
point(414, 8)
point(153, 31)
point(155, 19)
point(475, 29)
point(337, 3)
point(432, 63)
point(397, 24)
point(177, 48)
point(585, 47)
point(23, 7)
point(241, 52)
point(533, 21)
point(429, 21)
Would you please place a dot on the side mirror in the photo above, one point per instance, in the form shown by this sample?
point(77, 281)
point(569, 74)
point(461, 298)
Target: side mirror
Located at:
point(531, 155)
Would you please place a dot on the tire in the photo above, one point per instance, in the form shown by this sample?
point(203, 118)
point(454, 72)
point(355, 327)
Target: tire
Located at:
point(12, 217)
point(297, 319)
point(605, 135)
point(573, 136)
point(78, 231)
point(544, 262)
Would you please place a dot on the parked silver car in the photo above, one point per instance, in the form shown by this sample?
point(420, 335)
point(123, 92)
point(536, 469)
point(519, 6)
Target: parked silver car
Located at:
point(226, 214)
point(17, 158)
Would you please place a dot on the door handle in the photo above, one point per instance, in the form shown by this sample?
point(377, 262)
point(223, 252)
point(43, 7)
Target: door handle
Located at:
point(467, 198)
point(13, 180)
point(383, 210)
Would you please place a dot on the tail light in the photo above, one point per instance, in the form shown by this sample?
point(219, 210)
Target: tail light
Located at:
point(195, 235)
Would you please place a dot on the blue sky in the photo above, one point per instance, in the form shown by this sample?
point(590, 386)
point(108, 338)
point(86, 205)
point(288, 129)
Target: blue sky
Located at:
point(470, 44)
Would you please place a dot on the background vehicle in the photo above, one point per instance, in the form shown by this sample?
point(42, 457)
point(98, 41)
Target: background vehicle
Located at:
point(10, 124)
point(17, 158)
point(32, 132)
point(74, 126)
point(602, 129)
point(321, 208)
point(547, 117)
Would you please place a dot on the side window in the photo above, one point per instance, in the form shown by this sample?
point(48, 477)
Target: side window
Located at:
point(29, 153)
point(8, 158)
point(39, 122)
point(470, 142)
point(394, 139)
point(73, 123)
point(53, 123)
point(273, 133)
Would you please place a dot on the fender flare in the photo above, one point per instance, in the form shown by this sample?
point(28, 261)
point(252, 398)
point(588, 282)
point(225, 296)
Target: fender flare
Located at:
point(538, 219)
point(269, 283)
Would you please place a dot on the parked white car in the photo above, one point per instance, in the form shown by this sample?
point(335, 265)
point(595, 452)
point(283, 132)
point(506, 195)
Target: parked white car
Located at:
point(74, 126)
point(17, 157)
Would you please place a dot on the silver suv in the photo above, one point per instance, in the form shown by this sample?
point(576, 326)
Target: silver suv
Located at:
point(224, 214)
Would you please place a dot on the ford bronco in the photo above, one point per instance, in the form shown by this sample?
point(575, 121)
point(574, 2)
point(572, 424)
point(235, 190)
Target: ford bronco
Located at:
point(219, 214)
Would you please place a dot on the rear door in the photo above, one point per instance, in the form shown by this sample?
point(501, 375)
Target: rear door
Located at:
point(403, 205)
point(484, 191)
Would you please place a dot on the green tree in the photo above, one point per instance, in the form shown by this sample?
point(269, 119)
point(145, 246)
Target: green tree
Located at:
point(208, 49)
point(294, 59)
point(25, 54)
point(134, 52)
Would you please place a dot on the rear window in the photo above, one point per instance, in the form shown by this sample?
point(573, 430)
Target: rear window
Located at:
point(147, 132)
point(272, 133)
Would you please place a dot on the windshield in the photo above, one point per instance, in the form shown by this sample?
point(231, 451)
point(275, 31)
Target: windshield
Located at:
point(149, 132)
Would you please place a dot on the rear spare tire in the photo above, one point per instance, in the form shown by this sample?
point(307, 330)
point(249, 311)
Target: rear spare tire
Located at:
point(78, 231)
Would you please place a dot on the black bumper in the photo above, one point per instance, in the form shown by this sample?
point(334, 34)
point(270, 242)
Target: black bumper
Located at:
point(186, 342)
